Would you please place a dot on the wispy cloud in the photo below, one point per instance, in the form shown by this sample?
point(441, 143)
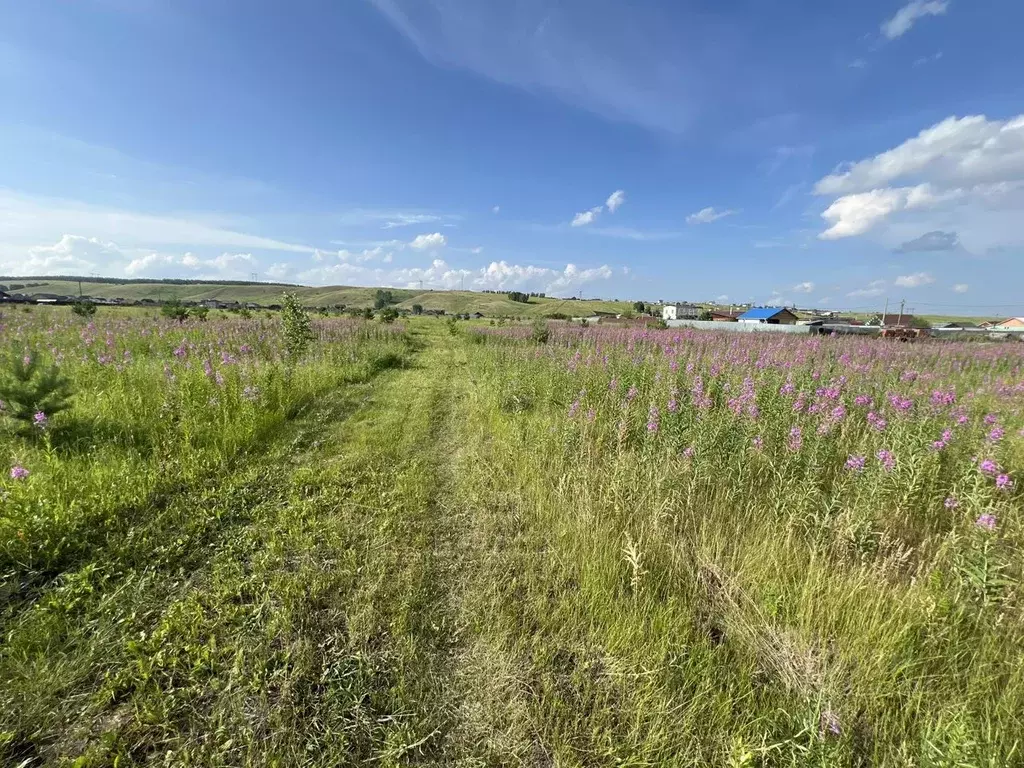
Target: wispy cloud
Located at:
point(806, 287)
point(708, 215)
point(586, 217)
point(873, 289)
point(615, 199)
point(613, 203)
point(915, 280)
point(910, 14)
point(961, 288)
point(631, 66)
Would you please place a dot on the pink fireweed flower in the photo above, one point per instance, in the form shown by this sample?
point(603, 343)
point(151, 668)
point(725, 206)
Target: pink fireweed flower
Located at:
point(887, 459)
point(251, 392)
point(1004, 483)
point(591, 415)
point(18, 472)
point(996, 434)
point(795, 441)
point(652, 419)
point(855, 463)
point(876, 421)
point(829, 725)
point(951, 502)
point(39, 420)
point(631, 394)
point(989, 467)
point(862, 400)
point(990, 419)
point(758, 443)
point(986, 522)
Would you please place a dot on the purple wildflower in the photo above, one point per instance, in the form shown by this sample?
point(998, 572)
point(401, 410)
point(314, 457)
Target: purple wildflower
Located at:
point(830, 724)
point(652, 419)
point(18, 472)
point(795, 441)
point(986, 522)
point(951, 502)
point(855, 463)
point(758, 443)
point(39, 420)
point(1004, 483)
point(989, 467)
point(887, 459)
point(996, 434)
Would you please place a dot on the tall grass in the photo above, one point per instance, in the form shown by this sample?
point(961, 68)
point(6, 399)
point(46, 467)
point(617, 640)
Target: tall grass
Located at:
point(756, 550)
point(158, 405)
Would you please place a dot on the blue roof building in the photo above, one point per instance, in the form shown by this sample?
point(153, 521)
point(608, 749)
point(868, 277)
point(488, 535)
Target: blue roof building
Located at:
point(770, 315)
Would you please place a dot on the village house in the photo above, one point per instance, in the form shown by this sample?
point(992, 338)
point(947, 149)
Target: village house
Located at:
point(723, 316)
point(768, 315)
point(680, 312)
point(1010, 322)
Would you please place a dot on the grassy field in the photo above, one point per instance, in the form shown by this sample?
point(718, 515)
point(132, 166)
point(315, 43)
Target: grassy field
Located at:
point(416, 544)
point(490, 304)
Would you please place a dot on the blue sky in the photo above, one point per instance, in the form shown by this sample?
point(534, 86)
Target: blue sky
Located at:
point(832, 154)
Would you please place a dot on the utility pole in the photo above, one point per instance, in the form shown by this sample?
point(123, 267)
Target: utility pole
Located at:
point(885, 311)
point(899, 322)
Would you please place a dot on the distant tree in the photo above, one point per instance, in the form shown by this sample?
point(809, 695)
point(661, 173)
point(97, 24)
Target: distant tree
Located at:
point(540, 333)
point(388, 315)
point(639, 307)
point(383, 298)
point(367, 313)
point(199, 313)
point(705, 314)
point(174, 310)
point(84, 308)
point(417, 309)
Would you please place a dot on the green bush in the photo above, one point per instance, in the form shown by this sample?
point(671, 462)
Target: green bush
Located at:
point(298, 332)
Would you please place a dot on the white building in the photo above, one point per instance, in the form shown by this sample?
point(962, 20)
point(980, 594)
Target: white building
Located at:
point(680, 312)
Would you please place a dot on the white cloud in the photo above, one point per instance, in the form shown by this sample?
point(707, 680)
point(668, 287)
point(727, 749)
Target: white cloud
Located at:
point(806, 287)
point(69, 254)
point(856, 214)
point(498, 275)
point(707, 215)
point(858, 64)
point(954, 153)
point(425, 242)
point(478, 250)
point(874, 288)
point(587, 217)
point(279, 271)
point(496, 209)
point(915, 280)
point(961, 174)
point(613, 203)
point(910, 13)
point(961, 288)
point(721, 299)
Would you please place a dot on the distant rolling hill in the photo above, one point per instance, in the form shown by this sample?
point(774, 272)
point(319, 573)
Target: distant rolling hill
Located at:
point(488, 304)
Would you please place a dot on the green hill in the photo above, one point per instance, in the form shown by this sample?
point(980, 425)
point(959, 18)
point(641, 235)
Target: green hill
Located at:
point(489, 304)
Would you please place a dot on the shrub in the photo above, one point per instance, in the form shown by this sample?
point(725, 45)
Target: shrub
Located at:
point(388, 315)
point(84, 308)
point(417, 309)
point(200, 313)
point(540, 332)
point(174, 310)
point(298, 332)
